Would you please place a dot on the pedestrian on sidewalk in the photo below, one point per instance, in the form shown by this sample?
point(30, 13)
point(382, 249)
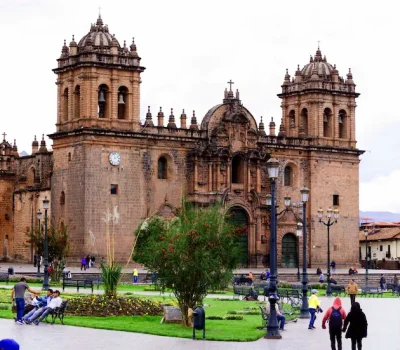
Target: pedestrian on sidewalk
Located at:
point(321, 278)
point(335, 316)
point(382, 282)
point(333, 266)
point(352, 290)
point(135, 275)
point(313, 308)
point(358, 326)
point(18, 296)
point(87, 262)
point(83, 264)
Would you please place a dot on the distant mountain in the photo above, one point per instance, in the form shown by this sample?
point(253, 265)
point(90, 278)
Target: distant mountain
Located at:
point(380, 216)
point(23, 154)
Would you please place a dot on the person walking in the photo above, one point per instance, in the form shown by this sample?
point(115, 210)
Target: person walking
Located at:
point(333, 266)
point(321, 278)
point(93, 260)
point(396, 283)
point(335, 316)
point(352, 290)
point(313, 307)
point(358, 326)
point(87, 262)
point(382, 282)
point(18, 296)
point(83, 264)
point(135, 275)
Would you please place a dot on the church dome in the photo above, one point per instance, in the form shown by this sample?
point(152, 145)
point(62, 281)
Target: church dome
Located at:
point(98, 37)
point(318, 65)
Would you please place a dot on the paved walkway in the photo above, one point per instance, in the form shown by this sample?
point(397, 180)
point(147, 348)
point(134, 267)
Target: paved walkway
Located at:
point(29, 268)
point(383, 318)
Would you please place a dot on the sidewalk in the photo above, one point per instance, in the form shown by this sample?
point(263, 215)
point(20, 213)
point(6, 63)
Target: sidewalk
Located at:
point(29, 268)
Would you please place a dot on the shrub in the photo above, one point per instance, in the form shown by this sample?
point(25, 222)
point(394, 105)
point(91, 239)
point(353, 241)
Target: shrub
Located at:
point(232, 312)
point(4, 306)
point(214, 318)
point(233, 318)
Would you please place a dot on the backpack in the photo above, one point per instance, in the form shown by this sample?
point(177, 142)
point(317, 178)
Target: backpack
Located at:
point(335, 321)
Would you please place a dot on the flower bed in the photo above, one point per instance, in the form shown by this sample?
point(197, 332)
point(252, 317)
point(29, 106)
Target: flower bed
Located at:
point(100, 305)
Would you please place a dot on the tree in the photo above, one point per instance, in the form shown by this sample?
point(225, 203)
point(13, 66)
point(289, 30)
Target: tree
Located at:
point(58, 243)
point(191, 254)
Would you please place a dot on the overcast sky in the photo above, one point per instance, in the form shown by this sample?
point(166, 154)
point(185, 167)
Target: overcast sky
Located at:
point(192, 48)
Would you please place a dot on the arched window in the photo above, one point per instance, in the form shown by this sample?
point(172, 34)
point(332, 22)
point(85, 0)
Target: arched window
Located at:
point(342, 124)
point(292, 119)
point(122, 103)
point(237, 169)
point(103, 103)
point(304, 120)
point(77, 102)
point(62, 198)
point(65, 105)
point(31, 176)
point(327, 122)
point(288, 174)
point(162, 168)
point(69, 156)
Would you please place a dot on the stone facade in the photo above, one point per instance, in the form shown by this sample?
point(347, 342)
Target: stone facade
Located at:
point(105, 161)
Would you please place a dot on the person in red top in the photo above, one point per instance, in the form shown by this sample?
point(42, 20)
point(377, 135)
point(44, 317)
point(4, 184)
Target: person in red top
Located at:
point(335, 316)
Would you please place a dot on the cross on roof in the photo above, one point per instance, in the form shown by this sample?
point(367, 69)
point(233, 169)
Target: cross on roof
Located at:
point(4, 136)
point(230, 82)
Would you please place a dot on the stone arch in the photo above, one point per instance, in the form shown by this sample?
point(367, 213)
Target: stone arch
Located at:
point(164, 167)
point(238, 168)
point(342, 124)
point(304, 120)
point(123, 102)
point(292, 119)
point(290, 174)
point(64, 108)
point(327, 122)
point(166, 211)
point(240, 218)
point(103, 101)
point(77, 102)
point(31, 176)
point(289, 250)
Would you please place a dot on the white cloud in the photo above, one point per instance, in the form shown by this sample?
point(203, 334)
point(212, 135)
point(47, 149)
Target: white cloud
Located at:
point(381, 194)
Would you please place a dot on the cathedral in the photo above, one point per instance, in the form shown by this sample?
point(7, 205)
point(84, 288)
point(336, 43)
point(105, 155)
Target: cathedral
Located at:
point(107, 167)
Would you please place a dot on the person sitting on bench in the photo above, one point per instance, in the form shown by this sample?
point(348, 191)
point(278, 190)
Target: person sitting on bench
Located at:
point(279, 315)
point(41, 303)
point(41, 314)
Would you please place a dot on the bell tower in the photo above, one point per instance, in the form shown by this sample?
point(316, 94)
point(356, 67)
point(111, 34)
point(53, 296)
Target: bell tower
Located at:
point(98, 83)
point(318, 103)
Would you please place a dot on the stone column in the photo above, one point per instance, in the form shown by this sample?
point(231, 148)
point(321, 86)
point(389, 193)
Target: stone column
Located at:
point(217, 167)
point(228, 174)
point(258, 184)
point(195, 174)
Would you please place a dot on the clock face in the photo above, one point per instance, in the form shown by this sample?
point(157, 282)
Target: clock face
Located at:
point(114, 158)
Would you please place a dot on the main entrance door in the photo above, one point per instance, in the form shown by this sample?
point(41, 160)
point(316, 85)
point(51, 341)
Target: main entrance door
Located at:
point(289, 250)
point(239, 219)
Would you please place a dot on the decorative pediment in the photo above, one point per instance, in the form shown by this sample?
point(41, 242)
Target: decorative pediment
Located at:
point(166, 211)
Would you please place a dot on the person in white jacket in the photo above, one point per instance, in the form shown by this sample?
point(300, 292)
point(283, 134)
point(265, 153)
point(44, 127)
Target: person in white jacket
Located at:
point(41, 314)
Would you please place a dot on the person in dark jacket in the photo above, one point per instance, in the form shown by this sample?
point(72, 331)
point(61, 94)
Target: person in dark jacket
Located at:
point(358, 326)
point(382, 282)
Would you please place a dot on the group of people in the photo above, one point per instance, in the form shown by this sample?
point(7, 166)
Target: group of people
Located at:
point(355, 322)
point(37, 309)
point(88, 262)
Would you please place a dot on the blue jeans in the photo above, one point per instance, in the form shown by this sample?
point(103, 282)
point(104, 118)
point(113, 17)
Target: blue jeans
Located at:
point(135, 279)
point(29, 314)
point(313, 317)
point(20, 303)
point(282, 320)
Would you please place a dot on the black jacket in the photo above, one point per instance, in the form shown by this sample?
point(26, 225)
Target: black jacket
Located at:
point(358, 325)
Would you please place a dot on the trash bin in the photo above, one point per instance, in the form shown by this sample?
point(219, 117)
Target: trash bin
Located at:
point(199, 321)
point(10, 270)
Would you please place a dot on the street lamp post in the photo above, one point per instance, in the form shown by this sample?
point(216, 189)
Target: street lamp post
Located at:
point(39, 216)
point(273, 327)
point(304, 313)
point(328, 224)
point(46, 206)
point(366, 257)
point(299, 233)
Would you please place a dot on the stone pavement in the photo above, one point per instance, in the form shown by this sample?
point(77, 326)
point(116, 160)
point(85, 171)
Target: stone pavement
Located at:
point(29, 268)
point(382, 314)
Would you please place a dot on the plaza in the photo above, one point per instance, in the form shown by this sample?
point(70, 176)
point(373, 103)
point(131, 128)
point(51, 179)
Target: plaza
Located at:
point(382, 315)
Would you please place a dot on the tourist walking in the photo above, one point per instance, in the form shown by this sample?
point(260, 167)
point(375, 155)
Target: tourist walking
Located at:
point(352, 290)
point(313, 307)
point(358, 326)
point(333, 266)
point(135, 275)
point(335, 316)
point(18, 296)
point(93, 260)
point(83, 264)
point(321, 278)
point(87, 261)
point(382, 282)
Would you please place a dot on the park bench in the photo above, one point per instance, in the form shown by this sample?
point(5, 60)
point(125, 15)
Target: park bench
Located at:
point(58, 312)
point(395, 289)
point(338, 290)
point(241, 290)
point(260, 288)
point(242, 281)
point(371, 291)
point(4, 277)
point(78, 283)
point(96, 280)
